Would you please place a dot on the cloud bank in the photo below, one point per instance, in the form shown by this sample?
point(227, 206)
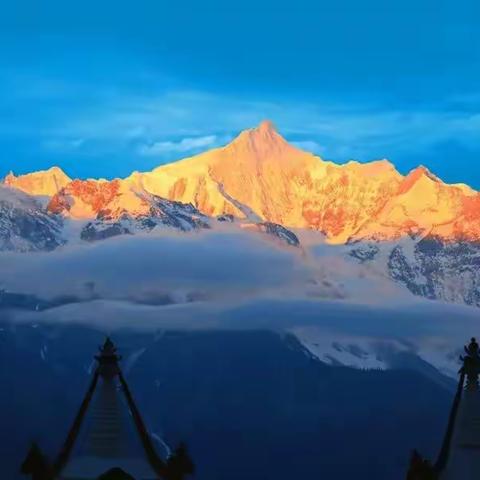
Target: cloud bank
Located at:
point(234, 280)
point(218, 264)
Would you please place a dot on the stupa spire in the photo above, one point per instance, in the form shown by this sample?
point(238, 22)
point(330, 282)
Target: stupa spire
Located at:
point(105, 452)
point(459, 458)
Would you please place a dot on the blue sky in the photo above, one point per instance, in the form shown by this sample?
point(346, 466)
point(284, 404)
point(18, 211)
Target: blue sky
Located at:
point(104, 88)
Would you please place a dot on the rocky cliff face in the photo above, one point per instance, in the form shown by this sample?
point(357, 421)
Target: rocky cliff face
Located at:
point(160, 213)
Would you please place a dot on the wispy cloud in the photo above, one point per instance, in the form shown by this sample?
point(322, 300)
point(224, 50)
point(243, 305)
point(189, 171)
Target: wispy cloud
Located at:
point(187, 144)
point(64, 144)
point(309, 146)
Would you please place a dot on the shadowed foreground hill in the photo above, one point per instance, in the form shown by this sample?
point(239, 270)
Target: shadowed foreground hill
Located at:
point(250, 404)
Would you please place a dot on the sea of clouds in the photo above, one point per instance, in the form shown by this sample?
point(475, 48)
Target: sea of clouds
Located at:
point(225, 280)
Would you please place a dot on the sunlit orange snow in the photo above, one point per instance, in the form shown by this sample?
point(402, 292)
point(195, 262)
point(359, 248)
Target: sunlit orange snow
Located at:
point(261, 173)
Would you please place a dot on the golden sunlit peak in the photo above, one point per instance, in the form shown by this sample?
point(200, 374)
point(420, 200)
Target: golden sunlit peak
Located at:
point(55, 169)
point(266, 126)
point(9, 176)
point(265, 131)
point(421, 171)
point(262, 141)
point(43, 182)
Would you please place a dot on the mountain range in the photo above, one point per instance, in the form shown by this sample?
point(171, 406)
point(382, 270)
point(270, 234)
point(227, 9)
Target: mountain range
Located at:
point(415, 228)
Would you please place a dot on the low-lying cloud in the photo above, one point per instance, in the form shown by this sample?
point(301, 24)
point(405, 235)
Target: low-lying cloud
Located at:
point(218, 264)
point(225, 280)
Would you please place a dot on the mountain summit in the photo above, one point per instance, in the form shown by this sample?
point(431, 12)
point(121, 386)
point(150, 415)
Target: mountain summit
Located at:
point(261, 141)
point(44, 182)
point(258, 169)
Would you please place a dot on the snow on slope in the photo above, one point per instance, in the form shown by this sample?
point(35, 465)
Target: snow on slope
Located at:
point(44, 183)
point(367, 353)
point(427, 266)
point(24, 225)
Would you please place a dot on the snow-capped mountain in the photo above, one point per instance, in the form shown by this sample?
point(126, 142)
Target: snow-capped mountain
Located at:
point(46, 182)
point(98, 209)
point(416, 229)
point(260, 176)
point(428, 266)
point(24, 225)
point(277, 182)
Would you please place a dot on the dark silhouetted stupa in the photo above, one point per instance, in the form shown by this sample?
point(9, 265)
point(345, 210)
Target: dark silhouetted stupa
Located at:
point(108, 439)
point(459, 457)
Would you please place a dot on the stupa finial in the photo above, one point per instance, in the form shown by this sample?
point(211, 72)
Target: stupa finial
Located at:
point(471, 363)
